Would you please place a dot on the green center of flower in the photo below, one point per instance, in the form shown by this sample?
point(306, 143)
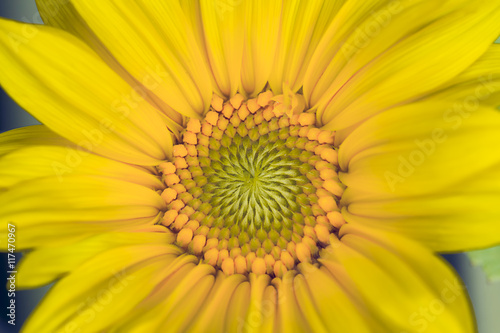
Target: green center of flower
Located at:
point(253, 187)
point(255, 184)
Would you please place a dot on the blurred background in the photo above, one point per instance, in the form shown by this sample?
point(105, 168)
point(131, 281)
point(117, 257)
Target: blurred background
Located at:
point(485, 295)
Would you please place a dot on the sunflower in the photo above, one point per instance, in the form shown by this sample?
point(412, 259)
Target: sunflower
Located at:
point(251, 166)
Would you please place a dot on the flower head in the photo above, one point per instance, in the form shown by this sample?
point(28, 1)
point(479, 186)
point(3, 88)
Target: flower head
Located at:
point(251, 166)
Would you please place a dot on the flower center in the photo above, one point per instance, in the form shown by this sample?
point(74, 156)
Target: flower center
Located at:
point(253, 187)
point(253, 184)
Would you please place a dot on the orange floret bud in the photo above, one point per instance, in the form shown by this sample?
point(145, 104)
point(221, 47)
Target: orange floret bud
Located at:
point(212, 117)
point(211, 256)
point(180, 150)
point(167, 167)
point(217, 102)
point(326, 137)
point(194, 125)
point(184, 237)
point(264, 98)
point(236, 101)
point(190, 137)
point(243, 112)
point(336, 219)
point(252, 105)
point(169, 195)
point(330, 155)
point(169, 217)
point(328, 204)
point(306, 119)
point(172, 179)
point(259, 266)
point(303, 252)
point(228, 266)
point(333, 187)
point(240, 264)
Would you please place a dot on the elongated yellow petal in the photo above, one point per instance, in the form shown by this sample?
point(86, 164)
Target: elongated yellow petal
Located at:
point(238, 306)
point(409, 288)
point(44, 265)
point(76, 205)
point(478, 84)
point(261, 311)
point(426, 170)
point(337, 311)
point(363, 31)
point(212, 315)
point(446, 223)
point(63, 15)
point(224, 25)
point(359, 92)
point(150, 313)
point(485, 67)
point(191, 295)
point(30, 135)
point(420, 143)
point(349, 17)
point(37, 161)
point(176, 300)
point(289, 317)
point(112, 279)
point(154, 42)
point(303, 24)
point(263, 20)
point(74, 93)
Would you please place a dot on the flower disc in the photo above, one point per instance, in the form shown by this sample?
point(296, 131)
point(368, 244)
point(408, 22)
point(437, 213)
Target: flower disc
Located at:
point(253, 186)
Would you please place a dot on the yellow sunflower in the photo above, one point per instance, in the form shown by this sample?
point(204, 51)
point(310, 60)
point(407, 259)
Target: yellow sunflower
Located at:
point(251, 166)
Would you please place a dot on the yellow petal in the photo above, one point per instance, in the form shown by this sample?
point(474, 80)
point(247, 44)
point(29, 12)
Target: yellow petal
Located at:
point(224, 25)
point(40, 156)
point(43, 265)
point(331, 302)
point(175, 302)
point(212, 316)
point(344, 25)
point(478, 84)
point(89, 296)
point(46, 209)
point(303, 24)
point(403, 284)
point(190, 294)
point(289, 317)
point(238, 307)
point(261, 311)
point(426, 170)
point(63, 15)
point(413, 66)
point(154, 42)
point(69, 89)
point(261, 35)
point(423, 143)
point(30, 135)
point(150, 313)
